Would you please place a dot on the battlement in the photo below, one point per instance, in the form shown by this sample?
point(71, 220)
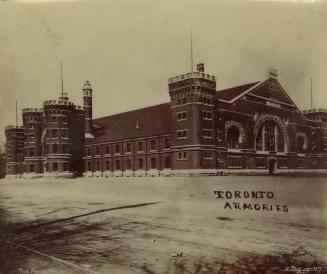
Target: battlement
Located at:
point(60, 103)
point(57, 102)
point(315, 110)
point(34, 110)
point(195, 74)
point(13, 127)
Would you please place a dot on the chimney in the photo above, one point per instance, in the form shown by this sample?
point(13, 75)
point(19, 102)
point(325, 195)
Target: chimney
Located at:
point(200, 67)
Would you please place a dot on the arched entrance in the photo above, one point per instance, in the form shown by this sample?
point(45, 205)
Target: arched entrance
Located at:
point(272, 165)
point(271, 134)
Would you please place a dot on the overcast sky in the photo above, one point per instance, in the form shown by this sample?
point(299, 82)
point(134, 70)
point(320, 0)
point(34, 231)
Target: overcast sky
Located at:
point(128, 49)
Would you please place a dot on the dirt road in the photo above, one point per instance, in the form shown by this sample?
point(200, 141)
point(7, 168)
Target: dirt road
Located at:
point(163, 225)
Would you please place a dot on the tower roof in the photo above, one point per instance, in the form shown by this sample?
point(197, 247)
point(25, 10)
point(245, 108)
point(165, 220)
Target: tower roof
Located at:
point(87, 85)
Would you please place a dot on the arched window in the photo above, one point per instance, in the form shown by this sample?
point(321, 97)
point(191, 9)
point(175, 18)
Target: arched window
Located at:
point(270, 137)
point(233, 137)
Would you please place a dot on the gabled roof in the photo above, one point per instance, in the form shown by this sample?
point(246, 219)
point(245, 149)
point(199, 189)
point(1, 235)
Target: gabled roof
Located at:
point(231, 93)
point(273, 90)
point(145, 122)
point(269, 89)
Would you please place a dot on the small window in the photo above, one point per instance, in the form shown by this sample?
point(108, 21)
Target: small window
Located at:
point(117, 165)
point(207, 133)
point(167, 143)
point(207, 101)
point(107, 149)
point(31, 168)
point(55, 167)
point(153, 145)
point(117, 149)
point(97, 150)
point(128, 164)
point(181, 116)
point(167, 162)
point(140, 146)
point(207, 115)
point(64, 148)
point(89, 168)
point(182, 155)
point(89, 151)
point(128, 147)
point(153, 163)
point(54, 133)
point(208, 155)
point(107, 165)
point(140, 163)
point(54, 148)
point(182, 134)
point(98, 165)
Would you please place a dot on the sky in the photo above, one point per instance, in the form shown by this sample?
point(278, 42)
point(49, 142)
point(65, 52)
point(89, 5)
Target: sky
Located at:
point(128, 49)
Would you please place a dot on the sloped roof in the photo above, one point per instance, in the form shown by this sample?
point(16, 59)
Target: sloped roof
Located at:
point(272, 89)
point(230, 93)
point(152, 121)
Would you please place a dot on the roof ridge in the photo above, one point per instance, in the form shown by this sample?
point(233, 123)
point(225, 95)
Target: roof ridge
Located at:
point(233, 87)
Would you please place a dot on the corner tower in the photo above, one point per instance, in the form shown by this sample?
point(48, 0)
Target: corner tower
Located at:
point(87, 99)
point(192, 103)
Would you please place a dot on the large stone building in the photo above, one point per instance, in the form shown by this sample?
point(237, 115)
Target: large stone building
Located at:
point(252, 128)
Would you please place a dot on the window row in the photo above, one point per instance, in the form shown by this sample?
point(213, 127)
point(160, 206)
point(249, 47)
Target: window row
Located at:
point(118, 164)
point(117, 148)
point(31, 119)
point(54, 167)
point(54, 133)
point(56, 119)
point(56, 148)
point(234, 161)
point(181, 101)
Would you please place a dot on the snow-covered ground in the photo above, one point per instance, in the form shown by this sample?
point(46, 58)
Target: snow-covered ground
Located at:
point(164, 225)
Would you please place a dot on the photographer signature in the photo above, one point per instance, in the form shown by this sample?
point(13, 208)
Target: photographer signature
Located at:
point(303, 270)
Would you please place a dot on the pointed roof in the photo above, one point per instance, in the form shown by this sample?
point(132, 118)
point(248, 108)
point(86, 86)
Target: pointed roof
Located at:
point(231, 93)
point(269, 89)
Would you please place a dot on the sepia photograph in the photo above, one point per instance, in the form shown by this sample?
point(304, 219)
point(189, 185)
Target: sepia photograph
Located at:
point(163, 137)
